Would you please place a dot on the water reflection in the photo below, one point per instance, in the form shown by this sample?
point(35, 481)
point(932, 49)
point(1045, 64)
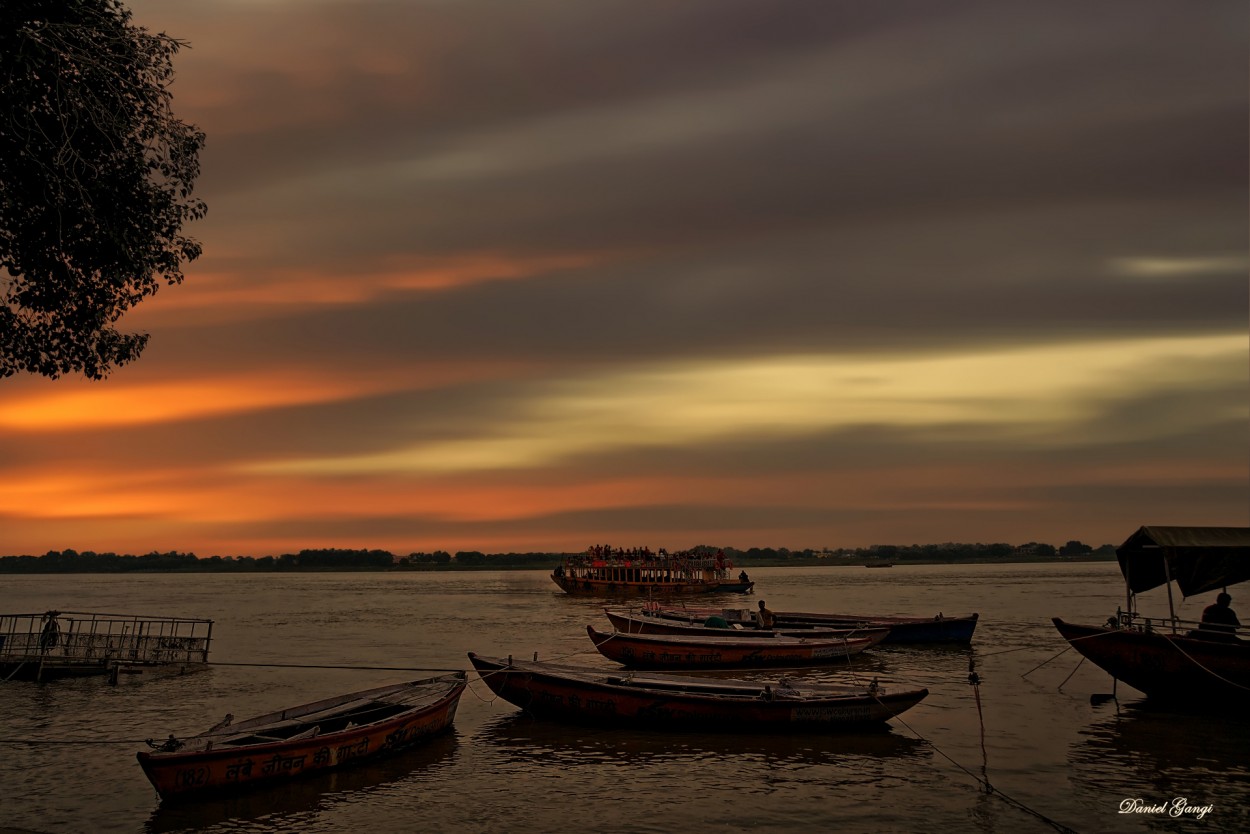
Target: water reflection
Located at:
point(1153, 738)
point(1041, 747)
point(520, 738)
point(281, 806)
point(1157, 753)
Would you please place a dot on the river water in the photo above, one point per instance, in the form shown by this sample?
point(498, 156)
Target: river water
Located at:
point(1029, 729)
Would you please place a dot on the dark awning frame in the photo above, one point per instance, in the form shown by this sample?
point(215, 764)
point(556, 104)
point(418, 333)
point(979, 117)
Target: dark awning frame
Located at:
point(1198, 559)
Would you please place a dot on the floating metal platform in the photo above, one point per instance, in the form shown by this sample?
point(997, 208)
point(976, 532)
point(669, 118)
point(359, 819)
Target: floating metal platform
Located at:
point(70, 644)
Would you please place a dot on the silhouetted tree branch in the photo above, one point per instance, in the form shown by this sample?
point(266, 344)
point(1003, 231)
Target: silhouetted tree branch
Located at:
point(96, 178)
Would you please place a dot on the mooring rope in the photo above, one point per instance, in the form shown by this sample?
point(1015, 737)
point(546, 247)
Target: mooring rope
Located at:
point(1047, 660)
point(1007, 651)
point(492, 672)
point(990, 790)
point(51, 741)
point(1168, 638)
point(334, 666)
point(1063, 652)
point(1210, 672)
point(489, 700)
point(1070, 674)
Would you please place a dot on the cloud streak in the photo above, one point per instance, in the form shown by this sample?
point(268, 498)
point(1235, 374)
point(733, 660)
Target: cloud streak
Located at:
point(489, 275)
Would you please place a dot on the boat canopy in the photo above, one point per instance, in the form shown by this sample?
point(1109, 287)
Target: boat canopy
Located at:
point(1198, 559)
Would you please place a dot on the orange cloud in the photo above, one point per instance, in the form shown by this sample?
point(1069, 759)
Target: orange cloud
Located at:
point(72, 494)
point(219, 293)
point(451, 273)
point(76, 405)
point(135, 404)
point(193, 495)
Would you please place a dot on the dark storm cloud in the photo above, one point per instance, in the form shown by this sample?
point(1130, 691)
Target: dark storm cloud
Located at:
point(812, 121)
point(485, 65)
point(820, 176)
point(841, 295)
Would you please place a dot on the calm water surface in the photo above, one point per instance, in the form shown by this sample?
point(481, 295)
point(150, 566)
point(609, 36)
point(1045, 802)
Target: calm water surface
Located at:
point(1041, 746)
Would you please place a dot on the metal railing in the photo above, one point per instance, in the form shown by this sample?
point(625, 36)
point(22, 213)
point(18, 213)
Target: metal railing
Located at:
point(68, 637)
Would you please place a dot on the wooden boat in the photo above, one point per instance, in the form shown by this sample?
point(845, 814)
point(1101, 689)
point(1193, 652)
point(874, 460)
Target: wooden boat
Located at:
point(640, 572)
point(644, 621)
point(936, 629)
point(305, 739)
point(1166, 658)
point(678, 651)
point(573, 693)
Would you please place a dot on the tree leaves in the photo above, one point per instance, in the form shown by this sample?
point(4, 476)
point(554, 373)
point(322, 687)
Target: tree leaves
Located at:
point(96, 181)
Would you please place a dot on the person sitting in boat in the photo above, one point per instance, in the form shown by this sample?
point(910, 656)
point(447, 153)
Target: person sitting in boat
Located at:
point(742, 577)
point(764, 618)
point(1219, 621)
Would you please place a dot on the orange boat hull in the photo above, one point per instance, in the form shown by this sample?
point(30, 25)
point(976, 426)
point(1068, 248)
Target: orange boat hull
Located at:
point(180, 774)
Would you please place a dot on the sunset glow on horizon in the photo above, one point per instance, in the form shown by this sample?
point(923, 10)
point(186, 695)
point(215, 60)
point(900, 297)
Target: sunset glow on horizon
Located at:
point(475, 278)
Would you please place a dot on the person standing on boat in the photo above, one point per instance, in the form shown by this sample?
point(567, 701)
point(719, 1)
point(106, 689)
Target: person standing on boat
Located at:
point(1219, 619)
point(765, 618)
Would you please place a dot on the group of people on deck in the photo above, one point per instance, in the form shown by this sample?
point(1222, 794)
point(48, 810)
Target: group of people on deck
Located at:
point(646, 555)
point(606, 551)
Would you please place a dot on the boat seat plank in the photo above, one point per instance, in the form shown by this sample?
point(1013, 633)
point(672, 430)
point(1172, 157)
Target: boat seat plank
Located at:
point(656, 683)
point(345, 710)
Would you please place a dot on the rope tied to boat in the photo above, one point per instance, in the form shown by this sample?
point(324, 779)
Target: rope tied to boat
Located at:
point(1114, 625)
point(169, 745)
point(1210, 672)
point(1064, 651)
point(975, 680)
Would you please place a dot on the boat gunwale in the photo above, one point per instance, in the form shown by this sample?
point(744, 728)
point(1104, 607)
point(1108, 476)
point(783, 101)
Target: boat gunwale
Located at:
point(823, 695)
point(658, 621)
point(691, 641)
point(457, 682)
point(1165, 667)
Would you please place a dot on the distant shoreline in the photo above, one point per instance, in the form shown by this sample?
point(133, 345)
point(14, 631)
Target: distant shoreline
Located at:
point(838, 562)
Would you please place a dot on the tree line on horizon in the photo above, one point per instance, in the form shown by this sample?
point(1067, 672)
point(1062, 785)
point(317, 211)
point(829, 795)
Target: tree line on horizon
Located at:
point(72, 561)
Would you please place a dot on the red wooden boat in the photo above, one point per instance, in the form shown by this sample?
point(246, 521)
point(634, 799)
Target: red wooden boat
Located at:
point(656, 699)
point(679, 651)
point(937, 629)
point(1167, 658)
point(643, 621)
point(1166, 666)
point(305, 739)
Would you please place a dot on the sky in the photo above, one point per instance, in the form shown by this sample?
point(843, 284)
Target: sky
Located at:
point(528, 275)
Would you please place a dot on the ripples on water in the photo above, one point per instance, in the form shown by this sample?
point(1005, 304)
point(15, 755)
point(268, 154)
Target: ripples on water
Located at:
point(1044, 746)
